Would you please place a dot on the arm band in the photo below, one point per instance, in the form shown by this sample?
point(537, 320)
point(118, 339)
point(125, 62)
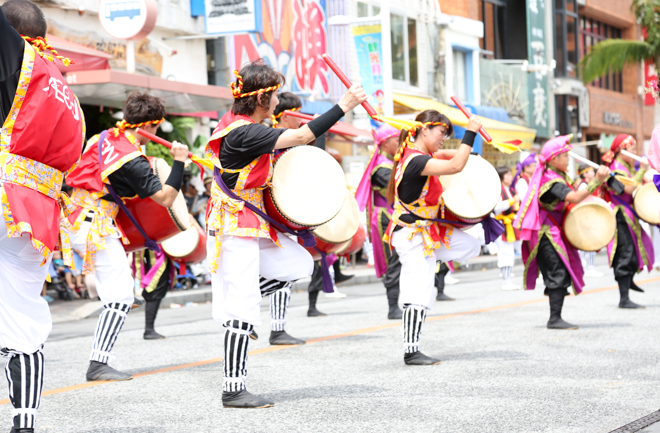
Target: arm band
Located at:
point(469, 137)
point(593, 186)
point(175, 179)
point(325, 121)
point(320, 142)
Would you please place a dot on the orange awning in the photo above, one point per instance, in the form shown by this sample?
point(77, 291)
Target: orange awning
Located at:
point(84, 58)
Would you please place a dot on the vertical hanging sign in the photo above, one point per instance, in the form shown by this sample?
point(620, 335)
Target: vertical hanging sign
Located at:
point(537, 79)
point(370, 57)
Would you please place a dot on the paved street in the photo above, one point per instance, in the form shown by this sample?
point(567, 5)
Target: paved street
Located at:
point(502, 370)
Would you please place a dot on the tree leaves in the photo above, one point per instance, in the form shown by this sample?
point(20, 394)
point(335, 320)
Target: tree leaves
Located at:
point(612, 55)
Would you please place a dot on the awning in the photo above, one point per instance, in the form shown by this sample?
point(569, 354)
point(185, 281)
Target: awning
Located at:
point(84, 58)
point(500, 131)
point(110, 88)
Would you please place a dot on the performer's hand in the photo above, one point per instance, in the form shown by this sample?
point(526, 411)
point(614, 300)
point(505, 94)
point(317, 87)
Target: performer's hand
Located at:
point(644, 164)
point(179, 151)
point(351, 99)
point(516, 198)
point(474, 124)
point(602, 173)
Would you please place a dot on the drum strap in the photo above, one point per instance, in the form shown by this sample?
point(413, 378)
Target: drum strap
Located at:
point(307, 237)
point(147, 241)
point(493, 229)
point(626, 205)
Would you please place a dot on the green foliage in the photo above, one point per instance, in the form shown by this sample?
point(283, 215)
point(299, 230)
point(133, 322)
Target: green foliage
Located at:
point(612, 55)
point(159, 151)
point(180, 125)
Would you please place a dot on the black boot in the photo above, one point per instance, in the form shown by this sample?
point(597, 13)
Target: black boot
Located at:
point(253, 335)
point(635, 287)
point(339, 277)
point(440, 283)
point(21, 430)
point(312, 311)
point(101, 371)
point(150, 313)
point(556, 299)
point(137, 303)
point(281, 338)
point(418, 358)
point(394, 312)
point(243, 399)
point(624, 286)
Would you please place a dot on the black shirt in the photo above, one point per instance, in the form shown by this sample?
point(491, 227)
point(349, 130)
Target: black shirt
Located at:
point(11, 58)
point(381, 178)
point(243, 145)
point(558, 191)
point(136, 177)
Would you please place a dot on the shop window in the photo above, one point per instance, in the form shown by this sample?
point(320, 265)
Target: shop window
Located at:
point(461, 74)
point(566, 38)
point(404, 49)
point(592, 32)
point(492, 14)
point(367, 10)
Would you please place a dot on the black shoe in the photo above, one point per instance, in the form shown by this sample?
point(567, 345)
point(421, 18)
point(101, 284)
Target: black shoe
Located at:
point(635, 287)
point(100, 371)
point(418, 358)
point(243, 399)
point(281, 338)
point(21, 430)
point(313, 312)
point(341, 278)
point(559, 323)
point(625, 284)
point(150, 334)
point(137, 303)
point(395, 313)
point(627, 303)
point(253, 335)
point(442, 297)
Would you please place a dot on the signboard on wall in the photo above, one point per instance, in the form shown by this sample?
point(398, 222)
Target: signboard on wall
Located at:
point(232, 16)
point(537, 80)
point(370, 58)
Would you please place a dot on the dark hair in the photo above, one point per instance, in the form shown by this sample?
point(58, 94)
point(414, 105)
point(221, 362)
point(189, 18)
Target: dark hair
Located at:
point(424, 117)
point(287, 101)
point(501, 171)
point(256, 76)
point(143, 107)
point(26, 18)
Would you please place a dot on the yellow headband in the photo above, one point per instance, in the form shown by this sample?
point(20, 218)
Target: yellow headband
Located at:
point(412, 131)
point(274, 117)
point(236, 89)
point(40, 45)
point(123, 125)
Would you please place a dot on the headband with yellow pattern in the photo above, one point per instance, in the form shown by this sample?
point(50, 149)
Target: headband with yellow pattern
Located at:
point(237, 88)
point(412, 127)
point(123, 125)
point(274, 117)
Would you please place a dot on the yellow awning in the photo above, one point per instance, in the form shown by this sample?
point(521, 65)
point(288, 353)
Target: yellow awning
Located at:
point(500, 131)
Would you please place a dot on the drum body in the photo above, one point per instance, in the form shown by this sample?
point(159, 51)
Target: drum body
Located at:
point(188, 246)
point(158, 222)
point(646, 201)
point(471, 195)
point(307, 190)
point(589, 225)
point(356, 243)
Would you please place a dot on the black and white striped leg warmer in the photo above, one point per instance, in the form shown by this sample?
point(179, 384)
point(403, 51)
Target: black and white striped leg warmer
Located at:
point(506, 272)
point(107, 329)
point(268, 287)
point(235, 359)
point(25, 374)
point(279, 303)
point(413, 319)
point(590, 258)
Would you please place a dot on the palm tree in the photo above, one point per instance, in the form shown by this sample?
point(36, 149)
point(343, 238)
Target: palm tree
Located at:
point(612, 55)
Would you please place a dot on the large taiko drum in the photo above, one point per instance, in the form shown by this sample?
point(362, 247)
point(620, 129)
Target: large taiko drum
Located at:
point(340, 229)
point(589, 225)
point(471, 195)
point(160, 223)
point(307, 190)
point(189, 246)
point(646, 201)
point(355, 244)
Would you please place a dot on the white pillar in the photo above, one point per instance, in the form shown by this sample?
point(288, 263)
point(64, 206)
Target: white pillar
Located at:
point(386, 37)
point(130, 56)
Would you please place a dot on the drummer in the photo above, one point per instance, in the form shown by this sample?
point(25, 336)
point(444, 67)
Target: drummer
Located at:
point(539, 219)
point(525, 170)
point(631, 249)
point(415, 190)
point(242, 246)
point(505, 211)
point(93, 227)
point(587, 174)
point(155, 288)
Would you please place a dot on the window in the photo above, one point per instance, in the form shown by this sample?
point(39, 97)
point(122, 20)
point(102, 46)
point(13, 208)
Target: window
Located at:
point(566, 40)
point(367, 10)
point(404, 49)
point(493, 14)
point(592, 32)
point(460, 74)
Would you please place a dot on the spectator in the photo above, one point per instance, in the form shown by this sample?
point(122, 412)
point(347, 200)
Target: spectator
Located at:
point(202, 201)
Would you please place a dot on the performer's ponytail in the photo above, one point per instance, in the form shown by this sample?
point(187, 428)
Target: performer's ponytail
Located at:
point(392, 183)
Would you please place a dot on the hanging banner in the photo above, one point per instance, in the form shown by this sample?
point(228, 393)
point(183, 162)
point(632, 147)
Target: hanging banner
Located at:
point(370, 57)
point(232, 16)
point(537, 80)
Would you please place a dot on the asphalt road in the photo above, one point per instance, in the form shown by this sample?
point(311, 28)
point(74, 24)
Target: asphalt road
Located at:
point(502, 370)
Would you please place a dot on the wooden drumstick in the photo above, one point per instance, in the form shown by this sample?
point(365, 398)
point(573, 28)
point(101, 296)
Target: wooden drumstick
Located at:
point(344, 79)
point(465, 111)
point(622, 179)
point(632, 155)
point(156, 139)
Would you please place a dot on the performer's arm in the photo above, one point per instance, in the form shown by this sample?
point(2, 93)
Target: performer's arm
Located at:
point(319, 126)
point(167, 195)
point(381, 178)
point(438, 167)
point(577, 196)
point(445, 153)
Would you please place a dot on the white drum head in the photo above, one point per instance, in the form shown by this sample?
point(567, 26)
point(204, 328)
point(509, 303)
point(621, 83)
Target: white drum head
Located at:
point(344, 225)
point(590, 225)
point(308, 186)
point(184, 243)
point(475, 191)
point(179, 210)
point(647, 203)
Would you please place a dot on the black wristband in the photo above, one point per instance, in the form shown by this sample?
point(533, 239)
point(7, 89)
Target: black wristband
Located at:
point(325, 121)
point(175, 179)
point(469, 137)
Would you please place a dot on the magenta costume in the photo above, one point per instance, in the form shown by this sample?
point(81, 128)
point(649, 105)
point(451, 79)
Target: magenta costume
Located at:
point(539, 220)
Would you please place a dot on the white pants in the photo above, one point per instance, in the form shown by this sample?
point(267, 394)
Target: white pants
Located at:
point(656, 245)
point(417, 280)
point(24, 316)
point(506, 255)
point(235, 285)
point(112, 272)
